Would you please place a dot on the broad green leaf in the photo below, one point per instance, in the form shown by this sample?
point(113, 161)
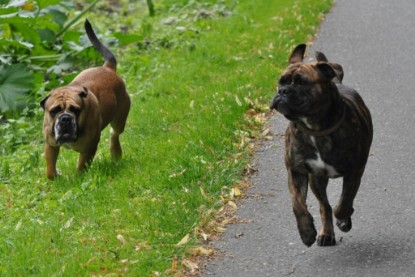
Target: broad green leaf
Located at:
point(15, 82)
point(125, 39)
point(45, 3)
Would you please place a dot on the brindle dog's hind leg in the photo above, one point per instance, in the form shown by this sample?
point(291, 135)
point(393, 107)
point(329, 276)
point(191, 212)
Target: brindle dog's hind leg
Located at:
point(344, 209)
point(326, 236)
point(297, 183)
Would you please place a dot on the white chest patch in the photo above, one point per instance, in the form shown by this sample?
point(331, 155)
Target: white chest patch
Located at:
point(318, 166)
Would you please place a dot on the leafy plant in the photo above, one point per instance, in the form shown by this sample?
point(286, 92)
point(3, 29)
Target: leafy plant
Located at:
point(15, 82)
point(35, 48)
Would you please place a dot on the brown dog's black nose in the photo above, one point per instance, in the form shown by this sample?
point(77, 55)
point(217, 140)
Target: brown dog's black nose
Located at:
point(65, 120)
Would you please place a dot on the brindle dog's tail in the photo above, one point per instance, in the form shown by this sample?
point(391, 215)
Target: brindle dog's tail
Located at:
point(110, 60)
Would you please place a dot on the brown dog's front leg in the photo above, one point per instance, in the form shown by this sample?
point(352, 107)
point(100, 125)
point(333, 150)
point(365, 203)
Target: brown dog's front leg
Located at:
point(319, 186)
point(298, 185)
point(51, 155)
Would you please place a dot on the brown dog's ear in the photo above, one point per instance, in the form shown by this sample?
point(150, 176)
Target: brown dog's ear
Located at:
point(326, 70)
point(42, 103)
point(83, 93)
point(297, 55)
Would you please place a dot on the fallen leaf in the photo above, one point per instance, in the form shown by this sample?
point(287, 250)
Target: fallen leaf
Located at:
point(177, 174)
point(251, 112)
point(201, 251)
point(18, 225)
point(174, 264)
point(124, 261)
point(265, 132)
point(220, 229)
point(232, 204)
point(237, 100)
point(202, 191)
point(236, 191)
point(142, 246)
point(184, 240)
point(121, 239)
point(68, 223)
point(191, 266)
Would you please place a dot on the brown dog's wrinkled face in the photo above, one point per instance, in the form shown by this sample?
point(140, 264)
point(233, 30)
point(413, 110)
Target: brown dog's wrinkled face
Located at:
point(63, 114)
point(302, 88)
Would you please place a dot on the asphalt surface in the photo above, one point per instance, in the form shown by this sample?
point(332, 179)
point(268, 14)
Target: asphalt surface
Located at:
point(374, 42)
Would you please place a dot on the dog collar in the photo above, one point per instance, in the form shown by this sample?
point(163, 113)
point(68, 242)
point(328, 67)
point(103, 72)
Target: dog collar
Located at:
point(325, 132)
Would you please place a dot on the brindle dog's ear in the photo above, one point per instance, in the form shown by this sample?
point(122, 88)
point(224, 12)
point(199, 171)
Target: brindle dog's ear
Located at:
point(321, 57)
point(83, 93)
point(326, 70)
point(337, 67)
point(297, 55)
point(42, 103)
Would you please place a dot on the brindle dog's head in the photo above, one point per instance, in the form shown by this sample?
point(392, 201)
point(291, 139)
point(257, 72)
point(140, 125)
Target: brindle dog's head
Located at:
point(306, 90)
point(63, 120)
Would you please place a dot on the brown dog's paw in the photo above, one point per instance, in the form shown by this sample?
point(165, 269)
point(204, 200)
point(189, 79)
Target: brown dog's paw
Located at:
point(326, 240)
point(345, 225)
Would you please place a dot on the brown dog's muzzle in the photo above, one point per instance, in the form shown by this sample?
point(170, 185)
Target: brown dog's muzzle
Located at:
point(65, 128)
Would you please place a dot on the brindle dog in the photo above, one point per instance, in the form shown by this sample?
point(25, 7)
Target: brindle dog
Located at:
point(329, 136)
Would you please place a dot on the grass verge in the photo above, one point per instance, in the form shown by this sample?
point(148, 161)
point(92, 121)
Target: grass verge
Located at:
point(197, 101)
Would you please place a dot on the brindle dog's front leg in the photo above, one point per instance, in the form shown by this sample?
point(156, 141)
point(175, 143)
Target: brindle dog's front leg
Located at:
point(297, 183)
point(319, 187)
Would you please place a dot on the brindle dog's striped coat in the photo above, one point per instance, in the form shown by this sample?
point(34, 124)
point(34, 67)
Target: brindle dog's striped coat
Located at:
point(329, 136)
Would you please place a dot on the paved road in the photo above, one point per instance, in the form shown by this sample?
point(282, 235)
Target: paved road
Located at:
point(374, 40)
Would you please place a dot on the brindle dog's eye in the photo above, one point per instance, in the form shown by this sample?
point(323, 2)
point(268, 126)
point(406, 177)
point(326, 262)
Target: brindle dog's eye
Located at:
point(285, 80)
point(300, 81)
point(55, 111)
point(75, 110)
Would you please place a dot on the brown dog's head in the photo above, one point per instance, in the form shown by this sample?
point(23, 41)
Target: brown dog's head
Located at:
point(305, 90)
point(63, 114)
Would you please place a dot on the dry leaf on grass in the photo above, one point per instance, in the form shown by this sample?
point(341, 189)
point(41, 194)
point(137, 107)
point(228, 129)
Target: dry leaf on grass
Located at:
point(184, 240)
point(121, 239)
point(235, 191)
point(177, 174)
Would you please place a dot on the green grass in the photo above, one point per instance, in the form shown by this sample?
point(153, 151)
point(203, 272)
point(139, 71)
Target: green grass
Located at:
point(184, 135)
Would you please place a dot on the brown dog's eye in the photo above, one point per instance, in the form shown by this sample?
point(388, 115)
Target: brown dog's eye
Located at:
point(55, 111)
point(75, 111)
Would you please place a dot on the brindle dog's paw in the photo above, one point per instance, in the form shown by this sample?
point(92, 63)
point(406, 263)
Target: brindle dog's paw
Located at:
point(308, 237)
point(345, 225)
point(326, 240)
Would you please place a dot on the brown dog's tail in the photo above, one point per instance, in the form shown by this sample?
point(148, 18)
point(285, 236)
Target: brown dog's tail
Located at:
point(110, 60)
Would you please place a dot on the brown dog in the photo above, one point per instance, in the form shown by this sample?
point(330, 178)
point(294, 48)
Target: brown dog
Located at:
point(329, 136)
point(76, 114)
